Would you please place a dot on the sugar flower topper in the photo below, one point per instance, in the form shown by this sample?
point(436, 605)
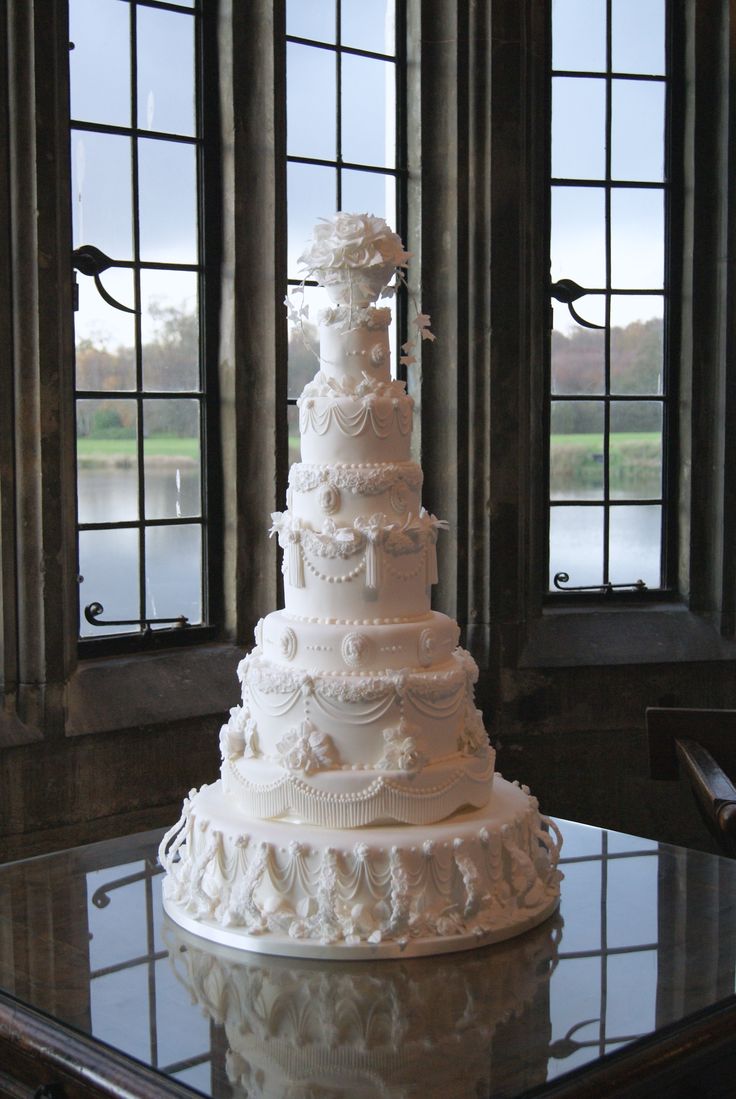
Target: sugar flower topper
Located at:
point(352, 240)
point(357, 258)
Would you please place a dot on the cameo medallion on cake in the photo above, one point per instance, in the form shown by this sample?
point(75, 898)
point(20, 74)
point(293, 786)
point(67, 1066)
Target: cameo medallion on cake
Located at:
point(356, 649)
point(329, 499)
point(427, 646)
point(378, 354)
point(399, 498)
point(287, 644)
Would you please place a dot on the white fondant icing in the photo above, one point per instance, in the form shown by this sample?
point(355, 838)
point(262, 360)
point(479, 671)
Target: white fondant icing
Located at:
point(341, 821)
point(395, 641)
point(480, 874)
point(361, 796)
point(355, 429)
point(351, 492)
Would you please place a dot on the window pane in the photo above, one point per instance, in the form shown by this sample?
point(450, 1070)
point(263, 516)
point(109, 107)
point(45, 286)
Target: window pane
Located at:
point(637, 349)
point(368, 26)
point(578, 243)
point(181, 1032)
point(637, 130)
point(171, 457)
point(636, 450)
point(578, 128)
point(113, 942)
point(105, 337)
point(582, 906)
point(101, 193)
point(631, 992)
point(371, 193)
point(311, 101)
point(107, 460)
point(99, 64)
point(168, 201)
point(292, 413)
point(631, 901)
point(637, 238)
point(165, 71)
point(170, 329)
point(108, 563)
point(635, 542)
point(119, 996)
point(578, 364)
point(638, 38)
point(304, 338)
point(576, 450)
point(311, 194)
point(174, 572)
point(311, 19)
point(576, 544)
point(579, 35)
point(368, 111)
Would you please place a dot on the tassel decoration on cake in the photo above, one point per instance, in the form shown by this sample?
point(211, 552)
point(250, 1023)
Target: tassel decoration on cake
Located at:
point(372, 531)
point(296, 562)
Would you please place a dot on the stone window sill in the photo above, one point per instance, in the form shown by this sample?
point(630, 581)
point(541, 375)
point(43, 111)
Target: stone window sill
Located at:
point(658, 634)
point(117, 693)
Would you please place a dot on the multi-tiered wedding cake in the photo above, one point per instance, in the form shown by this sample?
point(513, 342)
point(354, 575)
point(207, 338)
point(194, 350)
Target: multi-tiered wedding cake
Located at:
point(357, 809)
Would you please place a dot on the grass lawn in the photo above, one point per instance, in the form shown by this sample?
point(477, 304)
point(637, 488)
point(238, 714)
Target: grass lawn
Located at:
point(593, 439)
point(158, 446)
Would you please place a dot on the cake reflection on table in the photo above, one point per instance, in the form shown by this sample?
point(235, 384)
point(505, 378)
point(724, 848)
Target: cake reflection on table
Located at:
point(301, 1028)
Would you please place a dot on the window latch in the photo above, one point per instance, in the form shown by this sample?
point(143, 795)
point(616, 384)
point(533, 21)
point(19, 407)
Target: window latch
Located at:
point(561, 579)
point(567, 291)
point(89, 260)
point(93, 611)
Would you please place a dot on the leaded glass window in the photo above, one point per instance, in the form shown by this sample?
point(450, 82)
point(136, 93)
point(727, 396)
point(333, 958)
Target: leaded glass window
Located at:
point(609, 385)
point(136, 159)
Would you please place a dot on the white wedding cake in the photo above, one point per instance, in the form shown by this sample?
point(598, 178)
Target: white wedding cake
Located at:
point(357, 810)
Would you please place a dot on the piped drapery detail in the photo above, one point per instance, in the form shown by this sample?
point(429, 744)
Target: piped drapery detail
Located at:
point(374, 539)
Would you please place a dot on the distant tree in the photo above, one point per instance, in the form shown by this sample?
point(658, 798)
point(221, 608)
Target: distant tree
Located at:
point(170, 362)
point(303, 356)
point(636, 368)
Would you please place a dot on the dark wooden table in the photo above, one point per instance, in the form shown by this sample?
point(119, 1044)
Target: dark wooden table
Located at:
point(628, 991)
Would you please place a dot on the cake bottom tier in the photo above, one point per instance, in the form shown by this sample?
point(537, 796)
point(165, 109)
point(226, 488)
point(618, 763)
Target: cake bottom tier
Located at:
point(283, 888)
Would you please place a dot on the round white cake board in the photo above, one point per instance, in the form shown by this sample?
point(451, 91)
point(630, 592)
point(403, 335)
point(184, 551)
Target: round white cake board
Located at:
point(285, 946)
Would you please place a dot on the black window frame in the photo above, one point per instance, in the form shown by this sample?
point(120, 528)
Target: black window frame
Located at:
point(207, 144)
point(668, 590)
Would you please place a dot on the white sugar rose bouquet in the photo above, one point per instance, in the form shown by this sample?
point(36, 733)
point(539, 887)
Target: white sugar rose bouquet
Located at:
point(353, 240)
point(356, 258)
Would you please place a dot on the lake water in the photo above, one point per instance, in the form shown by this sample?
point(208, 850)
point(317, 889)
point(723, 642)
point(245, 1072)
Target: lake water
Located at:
point(109, 559)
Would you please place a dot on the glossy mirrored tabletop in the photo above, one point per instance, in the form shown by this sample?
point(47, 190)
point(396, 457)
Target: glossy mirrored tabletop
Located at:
point(645, 937)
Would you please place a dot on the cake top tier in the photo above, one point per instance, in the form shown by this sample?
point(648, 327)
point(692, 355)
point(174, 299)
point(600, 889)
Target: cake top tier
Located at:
point(354, 256)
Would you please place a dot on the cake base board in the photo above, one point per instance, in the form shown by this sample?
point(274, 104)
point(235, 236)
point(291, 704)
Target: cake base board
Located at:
point(285, 946)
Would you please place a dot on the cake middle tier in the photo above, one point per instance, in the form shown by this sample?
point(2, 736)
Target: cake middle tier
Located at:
point(368, 428)
point(305, 646)
point(374, 569)
point(393, 720)
point(345, 493)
